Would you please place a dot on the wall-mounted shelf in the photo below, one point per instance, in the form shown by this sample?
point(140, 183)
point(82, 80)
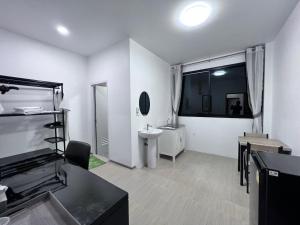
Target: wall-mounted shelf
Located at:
point(54, 140)
point(15, 164)
point(28, 82)
point(58, 116)
point(54, 125)
point(30, 114)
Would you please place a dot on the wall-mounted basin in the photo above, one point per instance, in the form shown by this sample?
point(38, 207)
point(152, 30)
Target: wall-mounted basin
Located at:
point(151, 133)
point(151, 136)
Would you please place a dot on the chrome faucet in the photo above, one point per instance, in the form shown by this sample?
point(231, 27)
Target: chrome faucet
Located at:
point(148, 125)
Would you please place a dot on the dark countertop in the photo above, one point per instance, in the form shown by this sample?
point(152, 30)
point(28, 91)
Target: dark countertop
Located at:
point(89, 198)
point(280, 162)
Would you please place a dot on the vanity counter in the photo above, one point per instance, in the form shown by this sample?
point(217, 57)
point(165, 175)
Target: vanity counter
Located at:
point(171, 127)
point(172, 141)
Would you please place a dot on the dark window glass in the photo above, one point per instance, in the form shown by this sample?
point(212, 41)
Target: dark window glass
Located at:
point(216, 92)
point(196, 86)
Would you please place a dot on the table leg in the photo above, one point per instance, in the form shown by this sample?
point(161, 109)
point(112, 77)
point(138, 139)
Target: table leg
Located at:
point(239, 155)
point(247, 173)
point(243, 148)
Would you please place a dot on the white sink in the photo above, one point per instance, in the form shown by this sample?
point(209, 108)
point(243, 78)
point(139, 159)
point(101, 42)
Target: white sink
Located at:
point(150, 137)
point(151, 133)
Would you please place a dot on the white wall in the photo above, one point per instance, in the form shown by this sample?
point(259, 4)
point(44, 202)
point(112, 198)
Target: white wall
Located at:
point(151, 74)
point(129, 69)
point(23, 57)
point(215, 135)
point(112, 66)
point(286, 101)
point(218, 136)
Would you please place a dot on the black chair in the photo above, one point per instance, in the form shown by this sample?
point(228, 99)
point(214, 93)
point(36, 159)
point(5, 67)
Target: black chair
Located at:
point(241, 149)
point(78, 153)
point(241, 152)
point(257, 147)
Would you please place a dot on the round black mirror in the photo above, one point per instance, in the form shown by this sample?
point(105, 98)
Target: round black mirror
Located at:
point(144, 103)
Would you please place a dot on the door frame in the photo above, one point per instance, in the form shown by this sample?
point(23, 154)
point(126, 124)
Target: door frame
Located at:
point(94, 111)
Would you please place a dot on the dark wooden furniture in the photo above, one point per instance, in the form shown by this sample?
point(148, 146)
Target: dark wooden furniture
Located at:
point(88, 198)
point(261, 148)
point(274, 189)
point(246, 134)
point(242, 145)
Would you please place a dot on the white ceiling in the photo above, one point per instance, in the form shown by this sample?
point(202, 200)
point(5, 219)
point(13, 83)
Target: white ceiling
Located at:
point(96, 24)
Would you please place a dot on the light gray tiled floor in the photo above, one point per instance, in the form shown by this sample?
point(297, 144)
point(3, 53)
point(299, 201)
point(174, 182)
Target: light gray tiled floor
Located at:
point(201, 189)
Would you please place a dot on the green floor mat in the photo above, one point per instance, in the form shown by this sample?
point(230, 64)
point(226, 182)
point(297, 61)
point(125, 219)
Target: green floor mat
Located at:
point(95, 162)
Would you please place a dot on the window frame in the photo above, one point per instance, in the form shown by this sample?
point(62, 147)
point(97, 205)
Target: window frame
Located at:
point(210, 115)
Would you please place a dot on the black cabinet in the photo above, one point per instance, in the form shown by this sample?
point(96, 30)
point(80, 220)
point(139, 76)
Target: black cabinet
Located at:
point(274, 189)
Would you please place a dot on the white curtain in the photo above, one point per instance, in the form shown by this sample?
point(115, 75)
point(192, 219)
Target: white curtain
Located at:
point(1, 108)
point(255, 74)
point(176, 82)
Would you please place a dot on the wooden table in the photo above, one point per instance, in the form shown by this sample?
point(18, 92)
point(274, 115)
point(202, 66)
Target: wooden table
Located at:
point(243, 140)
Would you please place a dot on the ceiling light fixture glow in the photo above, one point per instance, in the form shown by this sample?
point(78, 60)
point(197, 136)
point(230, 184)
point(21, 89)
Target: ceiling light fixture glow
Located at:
point(195, 14)
point(62, 30)
point(219, 73)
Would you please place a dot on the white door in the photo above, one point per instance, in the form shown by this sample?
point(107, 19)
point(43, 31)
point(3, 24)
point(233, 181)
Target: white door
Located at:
point(101, 120)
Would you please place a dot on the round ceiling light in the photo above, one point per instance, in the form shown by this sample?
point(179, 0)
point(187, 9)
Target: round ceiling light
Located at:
point(219, 73)
point(62, 30)
point(195, 14)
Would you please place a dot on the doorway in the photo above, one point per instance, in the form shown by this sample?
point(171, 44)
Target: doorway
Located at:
point(101, 119)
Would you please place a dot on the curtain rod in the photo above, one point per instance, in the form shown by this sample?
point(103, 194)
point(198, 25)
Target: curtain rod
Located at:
point(214, 58)
point(219, 57)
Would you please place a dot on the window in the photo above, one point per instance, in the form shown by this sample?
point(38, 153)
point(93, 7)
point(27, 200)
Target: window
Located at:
point(216, 92)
